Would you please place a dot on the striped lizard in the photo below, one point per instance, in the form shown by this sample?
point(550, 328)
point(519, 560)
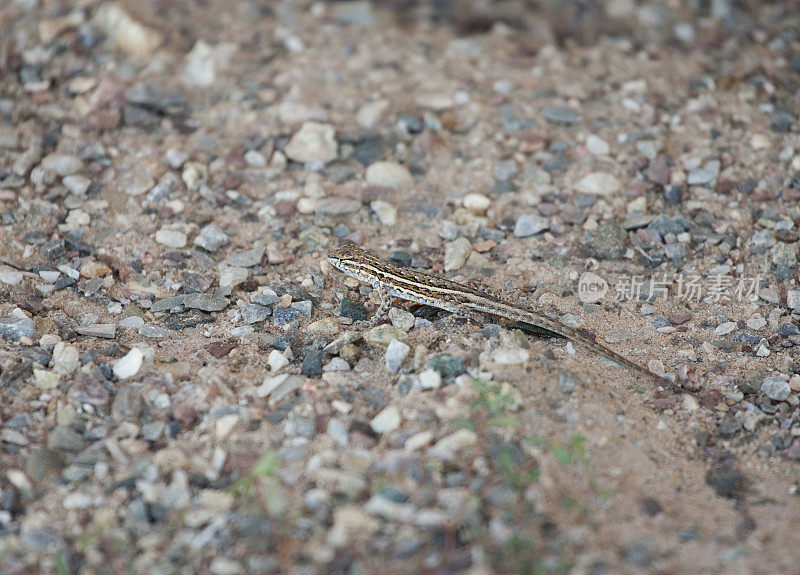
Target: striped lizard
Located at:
point(392, 281)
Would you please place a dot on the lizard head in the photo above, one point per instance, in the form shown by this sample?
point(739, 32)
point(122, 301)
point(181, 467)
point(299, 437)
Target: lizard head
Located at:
point(353, 261)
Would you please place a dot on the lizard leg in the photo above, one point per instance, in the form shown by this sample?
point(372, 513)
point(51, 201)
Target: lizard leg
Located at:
point(386, 303)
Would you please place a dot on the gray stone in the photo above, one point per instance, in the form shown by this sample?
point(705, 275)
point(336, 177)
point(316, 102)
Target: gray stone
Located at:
point(530, 224)
point(396, 353)
point(784, 255)
point(211, 238)
point(303, 307)
point(254, 313)
point(104, 330)
point(607, 241)
point(43, 463)
point(127, 403)
point(568, 382)
point(701, 177)
point(505, 170)
point(561, 115)
point(205, 302)
point(62, 164)
point(763, 239)
point(17, 326)
point(63, 438)
point(167, 304)
point(776, 388)
point(265, 299)
point(665, 225)
point(283, 315)
point(246, 259)
point(150, 330)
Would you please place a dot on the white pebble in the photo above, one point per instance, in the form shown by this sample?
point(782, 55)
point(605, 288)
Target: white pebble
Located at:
point(430, 379)
point(386, 421)
point(277, 360)
point(386, 212)
point(597, 146)
point(129, 365)
point(389, 175)
point(476, 203)
point(171, 238)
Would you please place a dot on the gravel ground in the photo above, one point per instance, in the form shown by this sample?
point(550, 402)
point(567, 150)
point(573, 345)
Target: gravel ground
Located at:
point(172, 174)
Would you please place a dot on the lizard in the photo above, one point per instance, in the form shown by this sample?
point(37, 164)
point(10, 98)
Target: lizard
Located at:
point(391, 281)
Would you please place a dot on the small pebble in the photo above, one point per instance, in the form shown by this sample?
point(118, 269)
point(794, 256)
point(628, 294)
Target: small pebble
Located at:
point(313, 142)
point(530, 224)
point(776, 388)
point(62, 164)
point(599, 184)
point(430, 379)
point(725, 328)
point(389, 175)
point(456, 253)
point(77, 184)
point(597, 146)
point(211, 238)
point(277, 360)
point(561, 115)
point(129, 365)
point(17, 326)
point(386, 212)
point(171, 238)
point(396, 353)
point(386, 421)
point(401, 319)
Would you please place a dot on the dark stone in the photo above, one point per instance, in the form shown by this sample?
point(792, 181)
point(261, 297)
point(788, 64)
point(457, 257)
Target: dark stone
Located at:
point(747, 186)
point(665, 225)
point(673, 194)
point(447, 364)
point(369, 151)
point(638, 553)
point(167, 304)
point(726, 480)
point(153, 99)
point(607, 242)
point(281, 343)
point(194, 283)
point(729, 426)
point(283, 315)
point(374, 396)
point(54, 249)
point(191, 318)
point(63, 282)
point(412, 124)
point(651, 507)
point(220, 349)
point(401, 258)
point(787, 329)
point(781, 121)
point(394, 494)
point(43, 463)
point(353, 309)
point(404, 386)
point(312, 363)
point(503, 188)
point(561, 115)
